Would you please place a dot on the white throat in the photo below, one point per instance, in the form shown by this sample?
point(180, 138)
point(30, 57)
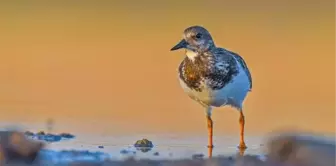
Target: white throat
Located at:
point(191, 54)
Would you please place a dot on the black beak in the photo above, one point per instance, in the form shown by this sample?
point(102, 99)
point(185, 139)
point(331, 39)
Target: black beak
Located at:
point(181, 44)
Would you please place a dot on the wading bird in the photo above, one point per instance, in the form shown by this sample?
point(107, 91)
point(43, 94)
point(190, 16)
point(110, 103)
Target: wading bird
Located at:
point(213, 76)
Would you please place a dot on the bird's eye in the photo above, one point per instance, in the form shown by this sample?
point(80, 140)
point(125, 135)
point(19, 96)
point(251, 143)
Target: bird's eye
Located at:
point(198, 36)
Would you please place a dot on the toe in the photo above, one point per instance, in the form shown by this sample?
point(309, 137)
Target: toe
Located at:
point(242, 146)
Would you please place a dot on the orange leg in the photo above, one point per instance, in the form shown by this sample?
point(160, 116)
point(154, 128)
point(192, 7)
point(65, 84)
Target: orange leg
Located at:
point(210, 132)
point(210, 152)
point(242, 144)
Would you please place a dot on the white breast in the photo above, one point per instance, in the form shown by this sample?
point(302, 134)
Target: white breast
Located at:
point(235, 91)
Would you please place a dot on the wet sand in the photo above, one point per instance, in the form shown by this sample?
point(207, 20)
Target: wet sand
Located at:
point(167, 149)
point(280, 149)
point(168, 146)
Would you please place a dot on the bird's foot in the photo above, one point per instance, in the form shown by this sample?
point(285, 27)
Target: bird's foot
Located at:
point(242, 146)
point(210, 146)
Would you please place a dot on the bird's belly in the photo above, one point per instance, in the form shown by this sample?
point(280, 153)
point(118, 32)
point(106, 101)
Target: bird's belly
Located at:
point(235, 91)
point(204, 96)
point(232, 93)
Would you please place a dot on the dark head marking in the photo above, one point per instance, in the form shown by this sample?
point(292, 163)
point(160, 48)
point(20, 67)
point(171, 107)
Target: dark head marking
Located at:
point(195, 38)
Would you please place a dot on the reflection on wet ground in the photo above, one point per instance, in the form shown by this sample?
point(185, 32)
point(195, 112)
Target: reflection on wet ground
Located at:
point(168, 147)
point(286, 148)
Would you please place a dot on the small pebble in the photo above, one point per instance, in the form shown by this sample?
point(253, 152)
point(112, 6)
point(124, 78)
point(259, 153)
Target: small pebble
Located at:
point(144, 143)
point(197, 156)
point(123, 151)
point(67, 135)
point(28, 133)
point(41, 133)
point(101, 147)
point(156, 154)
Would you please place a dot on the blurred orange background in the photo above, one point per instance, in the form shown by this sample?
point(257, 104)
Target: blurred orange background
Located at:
point(105, 66)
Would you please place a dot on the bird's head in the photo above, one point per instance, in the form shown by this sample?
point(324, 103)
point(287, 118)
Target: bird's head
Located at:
point(196, 39)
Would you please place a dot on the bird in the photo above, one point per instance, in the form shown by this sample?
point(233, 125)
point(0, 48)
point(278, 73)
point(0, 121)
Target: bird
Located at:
point(213, 76)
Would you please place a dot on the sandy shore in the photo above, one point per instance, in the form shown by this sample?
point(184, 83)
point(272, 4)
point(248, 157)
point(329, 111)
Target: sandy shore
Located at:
point(283, 149)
